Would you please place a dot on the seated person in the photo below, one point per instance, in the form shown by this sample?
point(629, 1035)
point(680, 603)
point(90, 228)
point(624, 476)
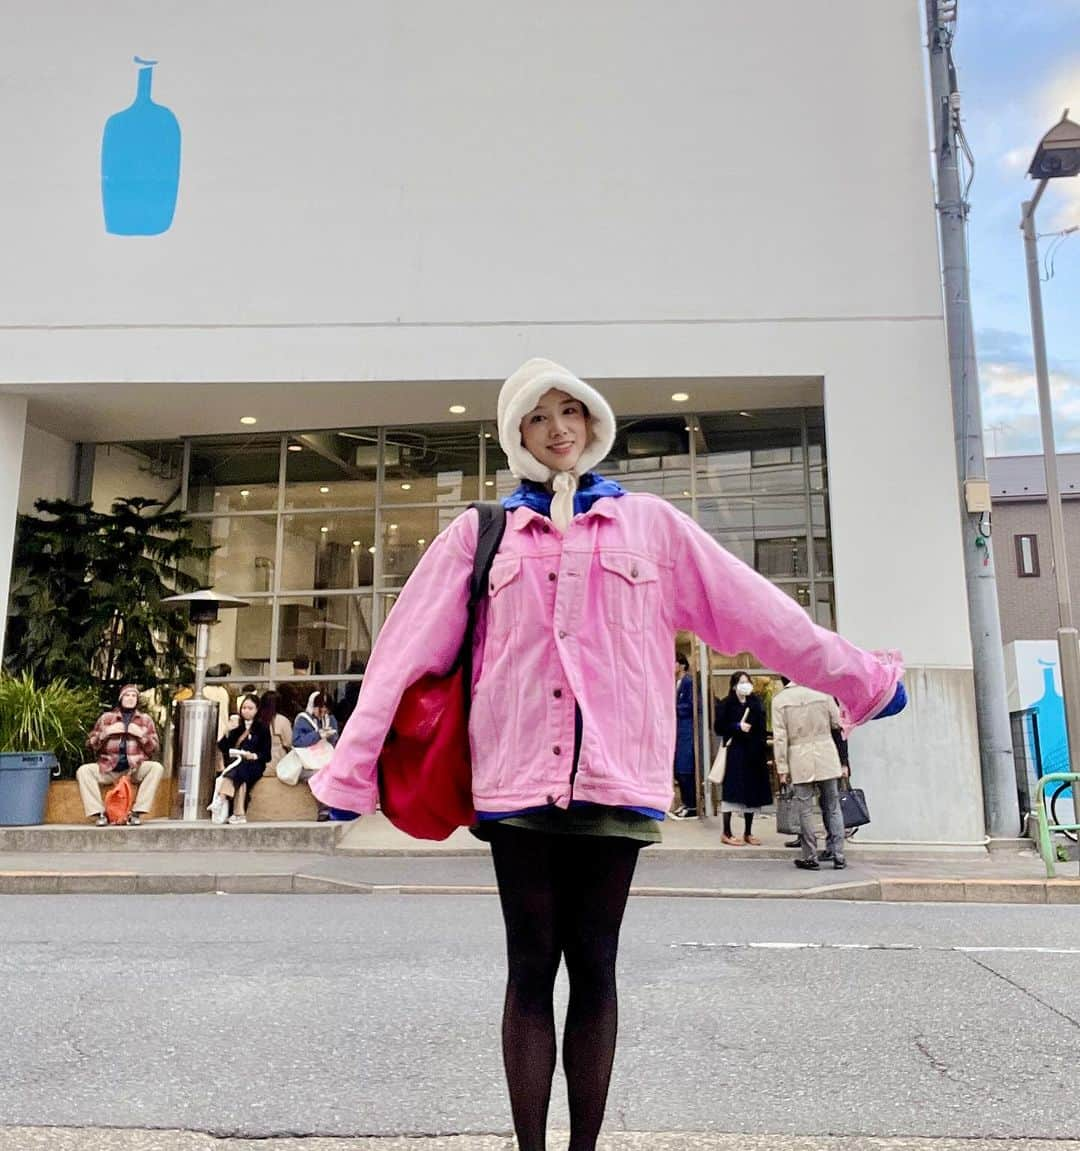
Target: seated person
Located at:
point(314, 723)
point(124, 740)
point(246, 749)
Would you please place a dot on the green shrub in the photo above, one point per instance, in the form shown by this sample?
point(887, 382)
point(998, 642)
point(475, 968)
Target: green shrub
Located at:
point(54, 718)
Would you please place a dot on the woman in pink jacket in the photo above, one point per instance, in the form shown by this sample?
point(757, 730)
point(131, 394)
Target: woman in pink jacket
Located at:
point(572, 725)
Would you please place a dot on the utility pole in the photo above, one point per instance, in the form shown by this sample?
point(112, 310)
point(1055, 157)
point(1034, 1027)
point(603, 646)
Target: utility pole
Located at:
point(991, 704)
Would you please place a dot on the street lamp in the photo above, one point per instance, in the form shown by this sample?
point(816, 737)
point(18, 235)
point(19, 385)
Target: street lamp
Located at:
point(1057, 156)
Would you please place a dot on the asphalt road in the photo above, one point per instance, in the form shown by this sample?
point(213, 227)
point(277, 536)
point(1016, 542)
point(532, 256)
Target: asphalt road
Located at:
point(257, 1016)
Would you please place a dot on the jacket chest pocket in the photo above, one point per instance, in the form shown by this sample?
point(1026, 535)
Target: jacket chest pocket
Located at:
point(504, 595)
point(628, 585)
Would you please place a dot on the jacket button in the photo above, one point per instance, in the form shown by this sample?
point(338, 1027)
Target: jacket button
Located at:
point(557, 693)
point(551, 575)
point(545, 529)
point(633, 573)
point(551, 799)
point(557, 750)
point(562, 635)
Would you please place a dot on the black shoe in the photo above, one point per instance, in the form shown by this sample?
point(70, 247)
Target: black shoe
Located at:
point(825, 857)
point(134, 819)
point(839, 864)
point(807, 864)
point(793, 843)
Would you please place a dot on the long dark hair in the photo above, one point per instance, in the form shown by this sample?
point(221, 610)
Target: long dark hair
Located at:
point(269, 705)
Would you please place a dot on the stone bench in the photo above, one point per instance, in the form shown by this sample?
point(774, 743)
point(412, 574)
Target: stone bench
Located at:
point(271, 801)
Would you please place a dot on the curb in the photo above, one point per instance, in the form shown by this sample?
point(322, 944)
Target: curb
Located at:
point(987, 891)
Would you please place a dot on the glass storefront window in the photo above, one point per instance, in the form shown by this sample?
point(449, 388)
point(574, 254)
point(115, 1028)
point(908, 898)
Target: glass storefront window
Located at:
point(332, 469)
point(651, 455)
point(237, 474)
point(437, 463)
point(407, 533)
point(243, 559)
point(334, 632)
point(756, 480)
point(328, 550)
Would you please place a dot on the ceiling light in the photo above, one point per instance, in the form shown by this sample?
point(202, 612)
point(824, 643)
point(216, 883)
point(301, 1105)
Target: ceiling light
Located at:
point(372, 549)
point(324, 529)
point(680, 397)
point(248, 420)
point(244, 493)
point(487, 435)
point(746, 415)
point(356, 543)
point(457, 409)
point(406, 487)
point(393, 527)
point(324, 490)
point(295, 448)
point(685, 492)
point(421, 542)
point(489, 483)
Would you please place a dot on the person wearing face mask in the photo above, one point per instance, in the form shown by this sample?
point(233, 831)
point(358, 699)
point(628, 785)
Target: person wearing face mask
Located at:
point(572, 725)
point(740, 723)
point(124, 740)
point(246, 748)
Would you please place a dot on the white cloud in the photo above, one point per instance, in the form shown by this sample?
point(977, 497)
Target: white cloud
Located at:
point(1011, 411)
point(1016, 159)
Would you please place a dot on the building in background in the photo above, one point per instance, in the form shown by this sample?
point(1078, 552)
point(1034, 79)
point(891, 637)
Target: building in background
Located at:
point(729, 230)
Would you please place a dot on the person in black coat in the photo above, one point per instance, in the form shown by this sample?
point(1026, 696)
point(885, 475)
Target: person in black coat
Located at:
point(740, 723)
point(685, 765)
point(246, 748)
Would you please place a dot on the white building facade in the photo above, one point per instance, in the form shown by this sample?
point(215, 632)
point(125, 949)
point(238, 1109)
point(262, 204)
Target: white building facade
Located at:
point(384, 206)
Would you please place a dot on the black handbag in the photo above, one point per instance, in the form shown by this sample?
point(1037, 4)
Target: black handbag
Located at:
point(853, 807)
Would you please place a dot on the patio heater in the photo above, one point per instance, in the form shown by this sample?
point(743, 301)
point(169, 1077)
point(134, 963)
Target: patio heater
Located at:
point(198, 717)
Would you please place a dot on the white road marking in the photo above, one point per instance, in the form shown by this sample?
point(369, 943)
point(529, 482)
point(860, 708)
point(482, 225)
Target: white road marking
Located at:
point(779, 945)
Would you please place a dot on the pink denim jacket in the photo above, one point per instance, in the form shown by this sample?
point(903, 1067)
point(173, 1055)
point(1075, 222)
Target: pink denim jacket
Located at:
point(588, 615)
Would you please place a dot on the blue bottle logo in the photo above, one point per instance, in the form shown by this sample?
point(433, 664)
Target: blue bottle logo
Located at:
point(140, 164)
point(1051, 711)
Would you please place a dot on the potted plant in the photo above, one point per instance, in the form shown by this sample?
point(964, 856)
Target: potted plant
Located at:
point(37, 725)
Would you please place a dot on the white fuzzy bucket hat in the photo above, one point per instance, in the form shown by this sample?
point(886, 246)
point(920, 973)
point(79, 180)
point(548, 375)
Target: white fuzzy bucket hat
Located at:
point(521, 393)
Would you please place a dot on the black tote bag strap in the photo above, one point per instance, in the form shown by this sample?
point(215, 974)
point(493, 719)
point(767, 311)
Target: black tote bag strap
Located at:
point(492, 525)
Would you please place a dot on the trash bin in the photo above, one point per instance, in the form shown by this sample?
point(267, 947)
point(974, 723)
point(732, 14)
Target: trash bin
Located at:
point(24, 786)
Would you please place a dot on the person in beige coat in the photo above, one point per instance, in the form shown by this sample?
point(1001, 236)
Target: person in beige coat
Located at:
point(805, 752)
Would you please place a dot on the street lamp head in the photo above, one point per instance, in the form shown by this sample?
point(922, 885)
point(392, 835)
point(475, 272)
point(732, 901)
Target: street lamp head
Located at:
point(1058, 153)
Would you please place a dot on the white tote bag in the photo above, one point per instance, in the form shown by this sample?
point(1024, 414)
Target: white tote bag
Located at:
point(719, 764)
point(314, 758)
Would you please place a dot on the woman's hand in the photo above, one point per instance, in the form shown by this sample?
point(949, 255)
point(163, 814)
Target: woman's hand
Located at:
point(744, 726)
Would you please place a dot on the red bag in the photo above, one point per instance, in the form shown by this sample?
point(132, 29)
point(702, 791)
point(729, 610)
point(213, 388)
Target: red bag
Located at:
point(425, 769)
point(120, 800)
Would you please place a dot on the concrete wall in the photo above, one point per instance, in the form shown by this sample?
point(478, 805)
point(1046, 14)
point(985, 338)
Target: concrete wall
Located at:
point(48, 469)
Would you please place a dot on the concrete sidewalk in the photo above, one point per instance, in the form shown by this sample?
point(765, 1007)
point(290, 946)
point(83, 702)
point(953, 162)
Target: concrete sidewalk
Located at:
point(371, 857)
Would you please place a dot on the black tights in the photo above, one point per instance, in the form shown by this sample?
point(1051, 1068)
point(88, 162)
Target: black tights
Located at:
point(561, 896)
point(748, 822)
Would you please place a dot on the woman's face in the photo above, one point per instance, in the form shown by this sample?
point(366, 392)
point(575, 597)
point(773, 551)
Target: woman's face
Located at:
point(556, 431)
point(248, 709)
point(129, 700)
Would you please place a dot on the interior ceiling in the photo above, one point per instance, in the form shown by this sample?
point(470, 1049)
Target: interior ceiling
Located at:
point(98, 413)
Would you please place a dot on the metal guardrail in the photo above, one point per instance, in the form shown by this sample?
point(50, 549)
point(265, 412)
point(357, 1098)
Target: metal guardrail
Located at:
point(1046, 846)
